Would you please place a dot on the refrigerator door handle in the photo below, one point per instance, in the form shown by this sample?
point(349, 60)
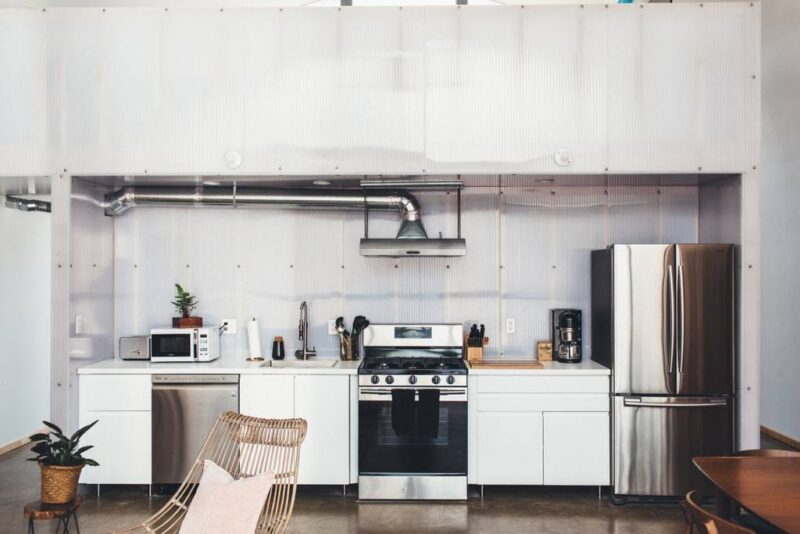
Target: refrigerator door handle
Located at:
point(671, 336)
point(675, 402)
point(681, 328)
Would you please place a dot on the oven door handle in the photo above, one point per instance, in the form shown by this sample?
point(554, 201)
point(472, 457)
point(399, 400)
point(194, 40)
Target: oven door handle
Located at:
point(452, 395)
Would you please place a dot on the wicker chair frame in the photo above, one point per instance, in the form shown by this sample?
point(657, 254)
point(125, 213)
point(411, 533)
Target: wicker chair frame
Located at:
point(244, 446)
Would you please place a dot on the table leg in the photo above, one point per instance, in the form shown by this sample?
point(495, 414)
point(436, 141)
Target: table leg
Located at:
point(30, 526)
point(723, 504)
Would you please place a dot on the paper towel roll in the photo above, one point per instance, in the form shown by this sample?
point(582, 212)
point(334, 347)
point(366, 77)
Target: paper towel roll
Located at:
point(253, 339)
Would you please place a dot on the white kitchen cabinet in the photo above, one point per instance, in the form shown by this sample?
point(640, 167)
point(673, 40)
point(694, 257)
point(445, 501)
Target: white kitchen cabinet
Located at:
point(324, 401)
point(270, 396)
point(576, 448)
point(509, 448)
point(122, 436)
point(122, 444)
point(539, 429)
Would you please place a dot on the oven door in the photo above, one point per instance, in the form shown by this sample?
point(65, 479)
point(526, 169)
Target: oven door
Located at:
point(398, 438)
point(172, 347)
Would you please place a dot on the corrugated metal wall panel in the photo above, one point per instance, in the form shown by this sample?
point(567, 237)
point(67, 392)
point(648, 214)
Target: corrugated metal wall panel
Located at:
point(434, 89)
point(528, 252)
point(24, 115)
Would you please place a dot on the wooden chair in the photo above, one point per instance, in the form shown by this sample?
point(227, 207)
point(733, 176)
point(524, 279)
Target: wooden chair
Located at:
point(244, 446)
point(704, 521)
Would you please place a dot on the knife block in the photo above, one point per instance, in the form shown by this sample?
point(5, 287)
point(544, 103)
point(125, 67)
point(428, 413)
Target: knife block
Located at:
point(474, 354)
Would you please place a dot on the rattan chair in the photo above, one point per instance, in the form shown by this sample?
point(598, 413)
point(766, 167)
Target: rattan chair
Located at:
point(244, 446)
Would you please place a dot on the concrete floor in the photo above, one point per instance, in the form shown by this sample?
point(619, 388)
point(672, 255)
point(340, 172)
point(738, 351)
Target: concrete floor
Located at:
point(506, 510)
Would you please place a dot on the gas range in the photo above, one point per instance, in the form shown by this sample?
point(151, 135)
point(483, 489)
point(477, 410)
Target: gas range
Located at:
point(413, 412)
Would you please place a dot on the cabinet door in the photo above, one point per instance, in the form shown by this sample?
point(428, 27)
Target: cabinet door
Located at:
point(576, 448)
point(121, 446)
point(509, 448)
point(324, 401)
point(270, 396)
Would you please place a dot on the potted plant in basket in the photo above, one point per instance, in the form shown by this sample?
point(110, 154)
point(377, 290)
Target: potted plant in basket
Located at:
point(60, 460)
point(185, 303)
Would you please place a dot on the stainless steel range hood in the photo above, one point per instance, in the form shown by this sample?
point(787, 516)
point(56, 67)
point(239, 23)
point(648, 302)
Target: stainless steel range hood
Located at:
point(398, 248)
point(412, 239)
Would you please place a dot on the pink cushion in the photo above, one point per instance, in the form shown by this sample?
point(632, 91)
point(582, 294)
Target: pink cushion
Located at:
point(223, 504)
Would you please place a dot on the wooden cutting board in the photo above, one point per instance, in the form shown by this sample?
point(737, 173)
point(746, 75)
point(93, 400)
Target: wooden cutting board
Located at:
point(506, 364)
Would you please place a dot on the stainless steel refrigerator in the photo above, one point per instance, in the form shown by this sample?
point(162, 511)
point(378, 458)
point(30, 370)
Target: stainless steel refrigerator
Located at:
point(663, 321)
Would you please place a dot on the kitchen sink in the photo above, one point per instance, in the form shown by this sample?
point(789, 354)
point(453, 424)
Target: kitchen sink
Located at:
point(301, 364)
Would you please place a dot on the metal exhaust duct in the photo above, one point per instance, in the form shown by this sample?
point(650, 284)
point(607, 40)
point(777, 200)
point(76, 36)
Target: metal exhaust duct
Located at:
point(410, 237)
point(26, 204)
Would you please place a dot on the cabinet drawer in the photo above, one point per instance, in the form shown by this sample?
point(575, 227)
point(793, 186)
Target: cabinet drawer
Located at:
point(542, 384)
point(542, 402)
point(115, 393)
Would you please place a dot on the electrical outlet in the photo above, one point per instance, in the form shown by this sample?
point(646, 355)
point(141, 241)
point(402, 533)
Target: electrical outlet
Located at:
point(231, 326)
point(332, 327)
point(511, 326)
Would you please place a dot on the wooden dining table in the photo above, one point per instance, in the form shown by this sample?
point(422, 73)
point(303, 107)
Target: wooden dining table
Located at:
point(766, 487)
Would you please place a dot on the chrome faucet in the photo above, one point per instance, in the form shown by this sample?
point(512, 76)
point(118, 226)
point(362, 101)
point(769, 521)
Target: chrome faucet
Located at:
point(304, 353)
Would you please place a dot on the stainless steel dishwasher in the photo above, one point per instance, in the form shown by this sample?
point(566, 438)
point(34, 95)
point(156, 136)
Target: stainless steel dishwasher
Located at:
point(184, 410)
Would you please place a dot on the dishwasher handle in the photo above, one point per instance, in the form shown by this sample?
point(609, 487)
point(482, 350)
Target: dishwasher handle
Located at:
point(195, 379)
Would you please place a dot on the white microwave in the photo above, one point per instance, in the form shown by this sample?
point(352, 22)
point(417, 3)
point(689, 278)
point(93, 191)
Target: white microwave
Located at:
point(184, 344)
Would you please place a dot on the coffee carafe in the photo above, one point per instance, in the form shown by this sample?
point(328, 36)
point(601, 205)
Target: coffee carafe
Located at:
point(567, 344)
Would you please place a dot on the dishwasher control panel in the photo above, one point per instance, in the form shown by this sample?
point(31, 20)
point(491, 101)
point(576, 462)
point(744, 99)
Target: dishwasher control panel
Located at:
point(195, 379)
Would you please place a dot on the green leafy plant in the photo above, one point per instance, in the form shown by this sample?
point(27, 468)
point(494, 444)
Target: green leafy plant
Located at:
point(54, 448)
point(184, 301)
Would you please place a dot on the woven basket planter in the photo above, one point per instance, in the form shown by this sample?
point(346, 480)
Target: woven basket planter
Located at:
point(59, 484)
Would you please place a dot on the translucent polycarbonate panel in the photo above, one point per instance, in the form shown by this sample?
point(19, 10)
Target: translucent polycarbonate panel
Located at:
point(383, 90)
point(732, 86)
point(24, 114)
point(381, 106)
point(472, 282)
point(527, 253)
point(564, 88)
point(678, 214)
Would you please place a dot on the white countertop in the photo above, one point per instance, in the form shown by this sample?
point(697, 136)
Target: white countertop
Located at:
point(220, 366)
point(585, 367)
point(243, 367)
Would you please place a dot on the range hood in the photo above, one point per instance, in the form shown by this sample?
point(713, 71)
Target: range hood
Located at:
point(412, 239)
point(397, 248)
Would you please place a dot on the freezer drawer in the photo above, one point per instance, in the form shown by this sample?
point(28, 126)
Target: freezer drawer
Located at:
point(655, 439)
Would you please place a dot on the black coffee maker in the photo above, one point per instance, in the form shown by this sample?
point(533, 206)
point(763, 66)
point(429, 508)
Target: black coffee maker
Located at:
point(567, 344)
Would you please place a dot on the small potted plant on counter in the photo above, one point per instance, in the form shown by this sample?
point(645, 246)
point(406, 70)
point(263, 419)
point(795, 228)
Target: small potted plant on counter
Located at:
point(61, 461)
point(185, 303)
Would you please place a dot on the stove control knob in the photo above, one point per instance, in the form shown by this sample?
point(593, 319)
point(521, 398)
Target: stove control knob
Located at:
point(374, 379)
point(436, 379)
point(412, 379)
point(451, 379)
point(390, 379)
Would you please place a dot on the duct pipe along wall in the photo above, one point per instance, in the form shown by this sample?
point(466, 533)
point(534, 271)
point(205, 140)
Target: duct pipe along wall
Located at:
point(242, 197)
